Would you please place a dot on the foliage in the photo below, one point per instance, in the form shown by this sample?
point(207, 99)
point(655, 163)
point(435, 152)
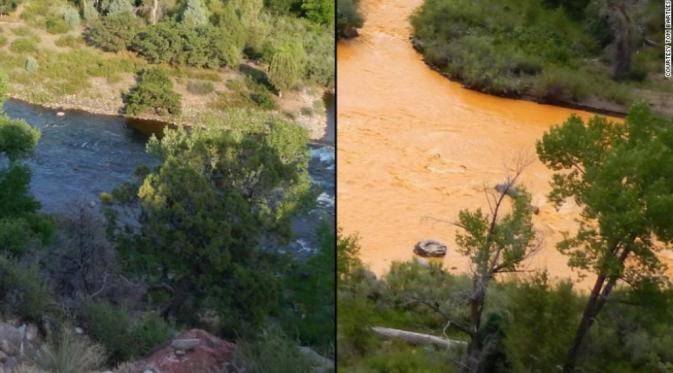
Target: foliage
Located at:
point(271, 352)
point(286, 65)
point(113, 33)
point(204, 210)
point(71, 17)
point(123, 338)
point(89, 11)
point(8, 6)
point(31, 64)
point(118, 7)
point(153, 91)
point(194, 13)
point(56, 25)
point(180, 44)
point(319, 11)
point(348, 17)
point(23, 45)
point(69, 353)
point(22, 291)
point(618, 175)
point(553, 50)
point(312, 288)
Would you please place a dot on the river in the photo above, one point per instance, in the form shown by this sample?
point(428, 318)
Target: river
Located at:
point(415, 148)
point(81, 155)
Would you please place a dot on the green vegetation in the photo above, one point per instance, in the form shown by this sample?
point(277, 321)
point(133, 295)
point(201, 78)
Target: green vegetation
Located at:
point(68, 352)
point(200, 87)
point(113, 33)
point(153, 91)
point(617, 174)
point(584, 51)
point(348, 18)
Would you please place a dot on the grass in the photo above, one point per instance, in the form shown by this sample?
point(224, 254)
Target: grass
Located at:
point(24, 45)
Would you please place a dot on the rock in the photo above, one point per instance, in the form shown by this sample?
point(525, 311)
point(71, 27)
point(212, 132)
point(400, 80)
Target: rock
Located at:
point(60, 113)
point(32, 332)
point(185, 344)
point(10, 364)
point(79, 331)
point(349, 33)
point(430, 248)
point(422, 262)
point(506, 188)
point(207, 354)
point(3, 357)
point(536, 210)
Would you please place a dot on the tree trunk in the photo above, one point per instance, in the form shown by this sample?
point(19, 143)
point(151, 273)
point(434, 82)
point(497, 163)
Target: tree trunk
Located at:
point(155, 12)
point(417, 338)
point(474, 348)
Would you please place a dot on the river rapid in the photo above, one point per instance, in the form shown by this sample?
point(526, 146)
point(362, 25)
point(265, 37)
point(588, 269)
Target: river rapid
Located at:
point(415, 148)
point(81, 155)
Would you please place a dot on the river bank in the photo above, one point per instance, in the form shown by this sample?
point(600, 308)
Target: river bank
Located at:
point(416, 148)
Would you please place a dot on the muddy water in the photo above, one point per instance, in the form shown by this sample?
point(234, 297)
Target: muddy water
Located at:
point(415, 148)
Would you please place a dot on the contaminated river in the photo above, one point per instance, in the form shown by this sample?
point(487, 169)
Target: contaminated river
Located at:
point(414, 148)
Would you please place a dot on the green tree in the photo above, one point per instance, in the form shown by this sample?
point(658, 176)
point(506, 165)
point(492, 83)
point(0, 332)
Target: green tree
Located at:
point(206, 208)
point(286, 65)
point(119, 7)
point(20, 221)
point(113, 33)
point(194, 13)
point(153, 91)
point(621, 176)
point(8, 6)
point(319, 11)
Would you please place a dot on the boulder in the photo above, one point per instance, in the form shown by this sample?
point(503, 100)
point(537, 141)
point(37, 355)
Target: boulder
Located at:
point(430, 248)
point(194, 350)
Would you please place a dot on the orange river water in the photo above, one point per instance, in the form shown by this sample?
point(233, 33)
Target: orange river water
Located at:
point(415, 148)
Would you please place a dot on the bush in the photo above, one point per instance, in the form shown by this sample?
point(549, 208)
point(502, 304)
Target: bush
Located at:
point(31, 64)
point(113, 33)
point(3, 40)
point(271, 352)
point(123, 339)
point(561, 85)
point(153, 91)
point(8, 6)
point(24, 45)
point(69, 353)
point(56, 25)
point(200, 87)
point(22, 291)
point(89, 11)
point(71, 17)
point(70, 41)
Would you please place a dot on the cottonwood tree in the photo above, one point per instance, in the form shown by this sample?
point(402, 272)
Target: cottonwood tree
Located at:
point(286, 65)
point(495, 242)
point(194, 13)
point(621, 175)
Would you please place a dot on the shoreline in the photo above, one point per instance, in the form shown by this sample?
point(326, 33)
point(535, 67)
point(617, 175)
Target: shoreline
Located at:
point(317, 127)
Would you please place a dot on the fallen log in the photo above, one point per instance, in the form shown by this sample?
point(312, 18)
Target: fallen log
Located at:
point(417, 338)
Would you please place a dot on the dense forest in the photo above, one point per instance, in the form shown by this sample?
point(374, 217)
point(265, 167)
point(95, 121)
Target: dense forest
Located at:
point(186, 242)
point(599, 54)
point(418, 317)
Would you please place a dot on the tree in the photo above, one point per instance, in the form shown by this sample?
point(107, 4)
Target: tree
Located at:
point(20, 221)
point(495, 244)
point(194, 13)
point(621, 177)
point(119, 7)
point(286, 65)
point(113, 33)
point(319, 11)
point(348, 18)
point(204, 211)
point(154, 90)
point(8, 6)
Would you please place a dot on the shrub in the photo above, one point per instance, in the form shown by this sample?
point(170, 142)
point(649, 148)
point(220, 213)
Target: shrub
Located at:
point(70, 353)
point(22, 291)
point(153, 91)
point(271, 352)
point(200, 87)
point(561, 85)
point(113, 33)
point(24, 45)
point(3, 40)
point(71, 17)
point(89, 11)
point(348, 18)
point(70, 41)
point(122, 338)
point(31, 64)
point(8, 6)
point(56, 25)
